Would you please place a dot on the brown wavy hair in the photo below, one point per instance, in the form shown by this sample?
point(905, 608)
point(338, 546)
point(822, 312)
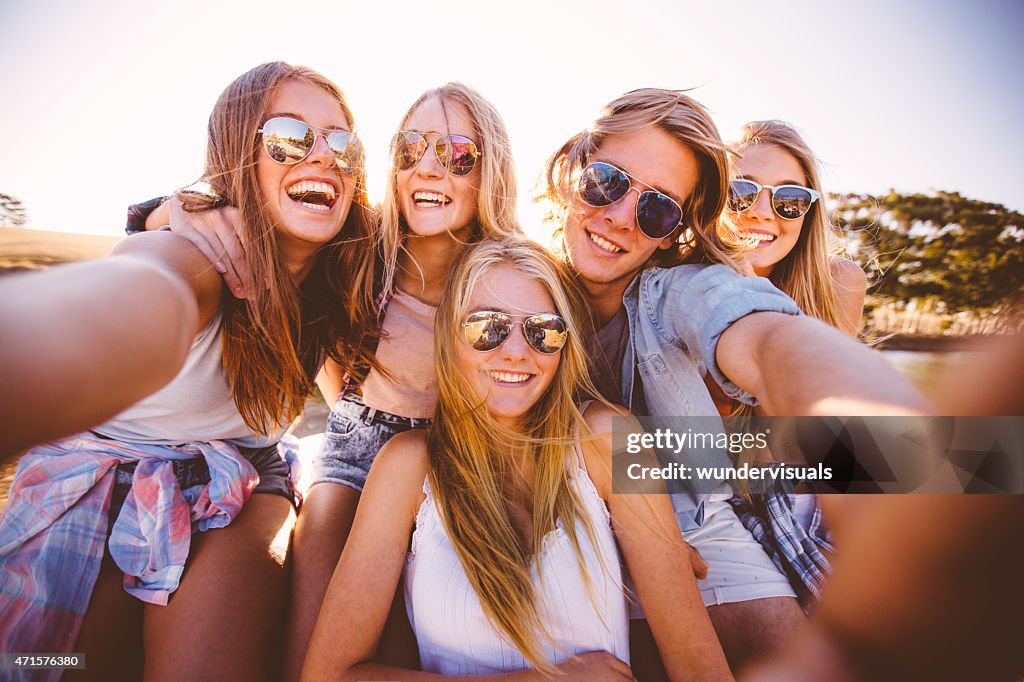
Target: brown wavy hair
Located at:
point(682, 117)
point(275, 341)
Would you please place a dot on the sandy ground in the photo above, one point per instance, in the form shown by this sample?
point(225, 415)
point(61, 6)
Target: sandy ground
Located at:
point(22, 249)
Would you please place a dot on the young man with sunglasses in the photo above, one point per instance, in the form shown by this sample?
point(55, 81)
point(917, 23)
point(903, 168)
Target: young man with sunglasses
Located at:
point(637, 197)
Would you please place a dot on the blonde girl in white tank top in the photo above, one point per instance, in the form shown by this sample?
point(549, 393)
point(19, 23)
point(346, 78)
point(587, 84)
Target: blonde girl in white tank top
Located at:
point(501, 515)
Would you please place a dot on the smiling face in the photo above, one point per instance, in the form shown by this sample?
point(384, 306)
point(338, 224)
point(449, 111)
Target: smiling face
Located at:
point(431, 200)
point(604, 244)
point(768, 164)
point(309, 201)
point(514, 376)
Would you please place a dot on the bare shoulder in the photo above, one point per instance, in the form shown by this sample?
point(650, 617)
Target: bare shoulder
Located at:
point(597, 446)
point(598, 416)
point(851, 284)
point(847, 275)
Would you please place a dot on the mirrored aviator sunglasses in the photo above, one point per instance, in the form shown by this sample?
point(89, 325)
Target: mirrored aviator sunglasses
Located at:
point(788, 201)
point(486, 330)
point(457, 153)
point(290, 141)
point(602, 184)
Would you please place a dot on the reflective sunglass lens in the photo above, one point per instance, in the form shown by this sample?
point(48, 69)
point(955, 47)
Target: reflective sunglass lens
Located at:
point(487, 331)
point(791, 202)
point(457, 153)
point(742, 195)
point(287, 140)
point(657, 214)
point(347, 150)
point(408, 148)
point(602, 184)
point(546, 333)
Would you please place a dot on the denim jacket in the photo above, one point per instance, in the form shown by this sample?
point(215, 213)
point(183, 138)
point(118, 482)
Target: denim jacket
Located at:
point(676, 316)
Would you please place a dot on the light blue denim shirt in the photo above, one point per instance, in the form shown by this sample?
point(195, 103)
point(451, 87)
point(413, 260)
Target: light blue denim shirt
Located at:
point(676, 316)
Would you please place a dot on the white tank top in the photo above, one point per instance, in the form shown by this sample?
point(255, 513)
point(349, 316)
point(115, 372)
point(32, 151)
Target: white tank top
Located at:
point(456, 638)
point(195, 406)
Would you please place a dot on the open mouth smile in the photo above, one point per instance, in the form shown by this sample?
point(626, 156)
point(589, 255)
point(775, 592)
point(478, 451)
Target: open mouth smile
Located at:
point(430, 199)
point(758, 239)
point(509, 378)
point(312, 194)
point(603, 243)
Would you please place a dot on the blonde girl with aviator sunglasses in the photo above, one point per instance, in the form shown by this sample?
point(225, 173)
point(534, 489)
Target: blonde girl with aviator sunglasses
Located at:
point(451, 183)
point(777, 205)
point(499, 523)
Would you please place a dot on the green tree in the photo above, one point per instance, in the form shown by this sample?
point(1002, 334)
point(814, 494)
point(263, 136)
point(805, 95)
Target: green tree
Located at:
point(967, 253)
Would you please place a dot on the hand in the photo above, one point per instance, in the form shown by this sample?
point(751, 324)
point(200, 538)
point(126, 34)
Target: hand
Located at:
point(597, 666)
point(215, 233)
point(697, 562)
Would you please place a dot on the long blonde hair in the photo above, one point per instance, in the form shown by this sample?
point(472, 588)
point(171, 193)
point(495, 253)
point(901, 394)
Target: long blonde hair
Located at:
point(465, 445)
point(683, 118)
point(496, 207)
point(804, 274)
point(274, 340)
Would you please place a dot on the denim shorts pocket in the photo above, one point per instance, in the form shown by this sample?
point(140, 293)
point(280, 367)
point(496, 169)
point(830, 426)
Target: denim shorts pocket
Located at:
point(349, 448)
point(341, 423)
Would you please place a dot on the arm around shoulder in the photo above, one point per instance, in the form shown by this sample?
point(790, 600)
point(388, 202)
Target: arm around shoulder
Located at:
point(105, 332)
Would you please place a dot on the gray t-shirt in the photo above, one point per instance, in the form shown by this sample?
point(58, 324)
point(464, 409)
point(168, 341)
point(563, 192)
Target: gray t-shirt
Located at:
point(606, 350)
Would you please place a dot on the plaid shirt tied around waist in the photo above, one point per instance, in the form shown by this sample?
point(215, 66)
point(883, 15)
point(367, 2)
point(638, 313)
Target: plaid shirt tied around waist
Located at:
point(801, 553)
point(55, 524)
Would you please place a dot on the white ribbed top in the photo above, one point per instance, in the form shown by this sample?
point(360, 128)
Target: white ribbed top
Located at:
point(195, 406)
point(454, 635)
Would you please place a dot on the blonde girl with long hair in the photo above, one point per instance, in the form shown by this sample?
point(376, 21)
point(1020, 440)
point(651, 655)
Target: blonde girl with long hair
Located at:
point(162, 533)
point(776, 204)
point(501, 516)
point(451, 183)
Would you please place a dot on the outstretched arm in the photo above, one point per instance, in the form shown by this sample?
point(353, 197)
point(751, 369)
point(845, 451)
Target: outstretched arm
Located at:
point(81, 342)
point(801, 366)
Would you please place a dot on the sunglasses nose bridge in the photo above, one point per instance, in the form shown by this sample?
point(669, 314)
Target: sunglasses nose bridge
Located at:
point(762, 206)
point(321, 150)
point(515, 343)
point(621, 213)
point(429, 163)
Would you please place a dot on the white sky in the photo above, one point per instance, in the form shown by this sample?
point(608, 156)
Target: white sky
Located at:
point(105, 103)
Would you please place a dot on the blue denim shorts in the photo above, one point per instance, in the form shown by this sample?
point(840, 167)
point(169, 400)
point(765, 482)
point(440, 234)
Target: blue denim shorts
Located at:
point(274, 472)
point(355, 434)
